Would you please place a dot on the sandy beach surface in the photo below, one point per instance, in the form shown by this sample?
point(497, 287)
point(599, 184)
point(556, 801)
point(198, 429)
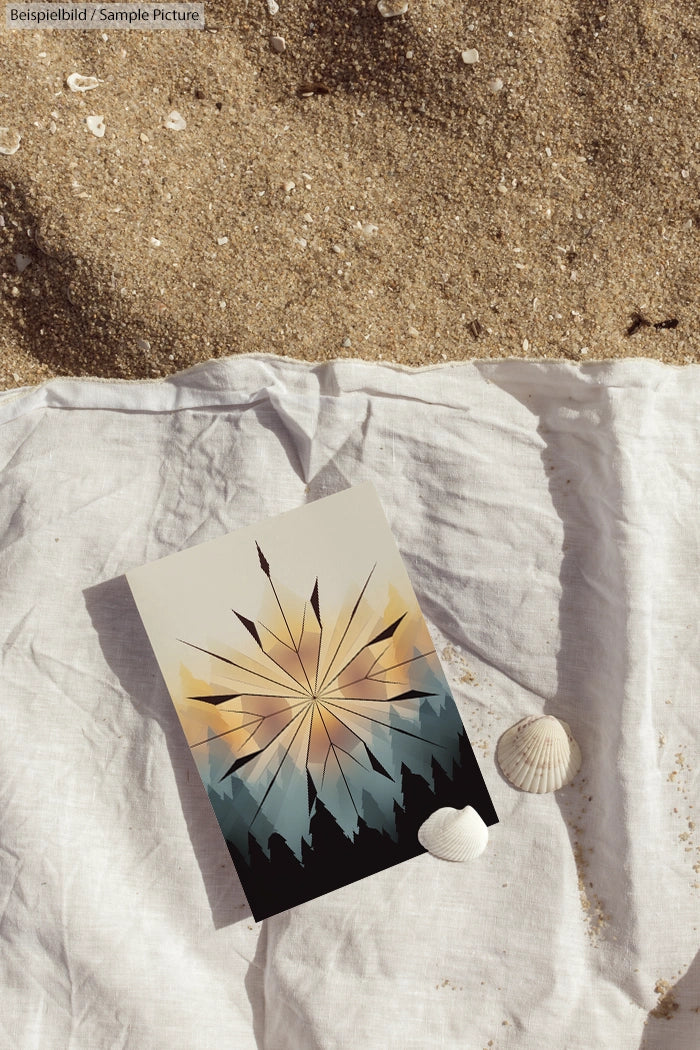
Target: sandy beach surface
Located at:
point(479, 179)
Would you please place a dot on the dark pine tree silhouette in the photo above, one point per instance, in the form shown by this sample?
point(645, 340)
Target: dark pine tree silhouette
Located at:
point(331, 859)
point(418, 804)
point(445, 789)
point(287, 872)
point(473, 791)
point(327, 837)
point(374, 849)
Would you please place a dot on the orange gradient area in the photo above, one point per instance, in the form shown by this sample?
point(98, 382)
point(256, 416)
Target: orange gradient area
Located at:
point(306, 685)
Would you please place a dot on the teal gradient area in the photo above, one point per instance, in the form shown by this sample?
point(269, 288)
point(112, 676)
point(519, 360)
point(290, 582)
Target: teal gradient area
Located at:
point(434, 725)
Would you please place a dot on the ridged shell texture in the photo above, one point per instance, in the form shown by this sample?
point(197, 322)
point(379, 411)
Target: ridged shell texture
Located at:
point(454, 834)
point(539, 754)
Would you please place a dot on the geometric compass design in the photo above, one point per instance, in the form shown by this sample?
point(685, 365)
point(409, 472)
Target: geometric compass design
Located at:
point(320, 696)
point(319, 718)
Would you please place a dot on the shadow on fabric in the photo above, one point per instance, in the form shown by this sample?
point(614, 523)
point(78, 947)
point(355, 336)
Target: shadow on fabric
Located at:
point(576, 422)
point(128, 652)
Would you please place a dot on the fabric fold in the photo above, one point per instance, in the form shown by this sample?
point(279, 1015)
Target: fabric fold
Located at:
point(547, 516)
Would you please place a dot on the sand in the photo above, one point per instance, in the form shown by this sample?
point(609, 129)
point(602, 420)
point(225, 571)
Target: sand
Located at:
point(411, 209)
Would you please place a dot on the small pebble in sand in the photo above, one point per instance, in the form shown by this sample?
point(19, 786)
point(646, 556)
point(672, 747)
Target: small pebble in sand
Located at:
point(495, 85)
point(175, 122)
point(369, 229)
point(77, 82)
point(10, 139)
point(288, 186)
point(273, 7)
point(392, 8)
point(222, 240)
point(470, 57)
point(278, 44)
point(413, 332)
point(526, 345)
point(347, 341)
point(154, 242)
point(22, 262)
point(96, 125)
point(143, 344)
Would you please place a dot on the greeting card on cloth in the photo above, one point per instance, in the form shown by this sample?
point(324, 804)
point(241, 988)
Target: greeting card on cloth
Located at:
point(310, 695)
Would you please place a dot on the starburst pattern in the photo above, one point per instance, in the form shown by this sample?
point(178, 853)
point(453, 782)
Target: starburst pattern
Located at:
point(320, 697)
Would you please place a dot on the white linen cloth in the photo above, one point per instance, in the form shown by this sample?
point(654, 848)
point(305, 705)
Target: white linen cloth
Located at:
point(548, 517)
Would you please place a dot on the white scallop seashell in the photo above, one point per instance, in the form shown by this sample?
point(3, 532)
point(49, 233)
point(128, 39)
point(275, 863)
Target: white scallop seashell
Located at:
point(454, 834)
point(10, 139)
point(77, 82)
point(539, 754)
point(392, 8)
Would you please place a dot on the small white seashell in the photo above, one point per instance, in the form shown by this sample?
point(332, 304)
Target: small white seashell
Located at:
point(96, 125)
point(539, 754)
point(392, 8)
point(175, 122)
point(470, 57)
point(76, 82)
point(496, 85)
point(454, 834)
point(273, 7)
point(10, 139)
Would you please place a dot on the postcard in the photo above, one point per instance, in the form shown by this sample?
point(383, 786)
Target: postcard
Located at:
point(310, 695)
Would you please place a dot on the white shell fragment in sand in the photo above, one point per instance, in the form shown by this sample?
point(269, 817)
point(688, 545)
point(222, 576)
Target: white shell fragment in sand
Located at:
point(496, 85)
point(539, 754)
point(392, 8)
point(273, 7)
point(96, 125)
point(10, 139)
point(77, 82)
point(175, 122)
point(470, 57)
point(454, 834)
